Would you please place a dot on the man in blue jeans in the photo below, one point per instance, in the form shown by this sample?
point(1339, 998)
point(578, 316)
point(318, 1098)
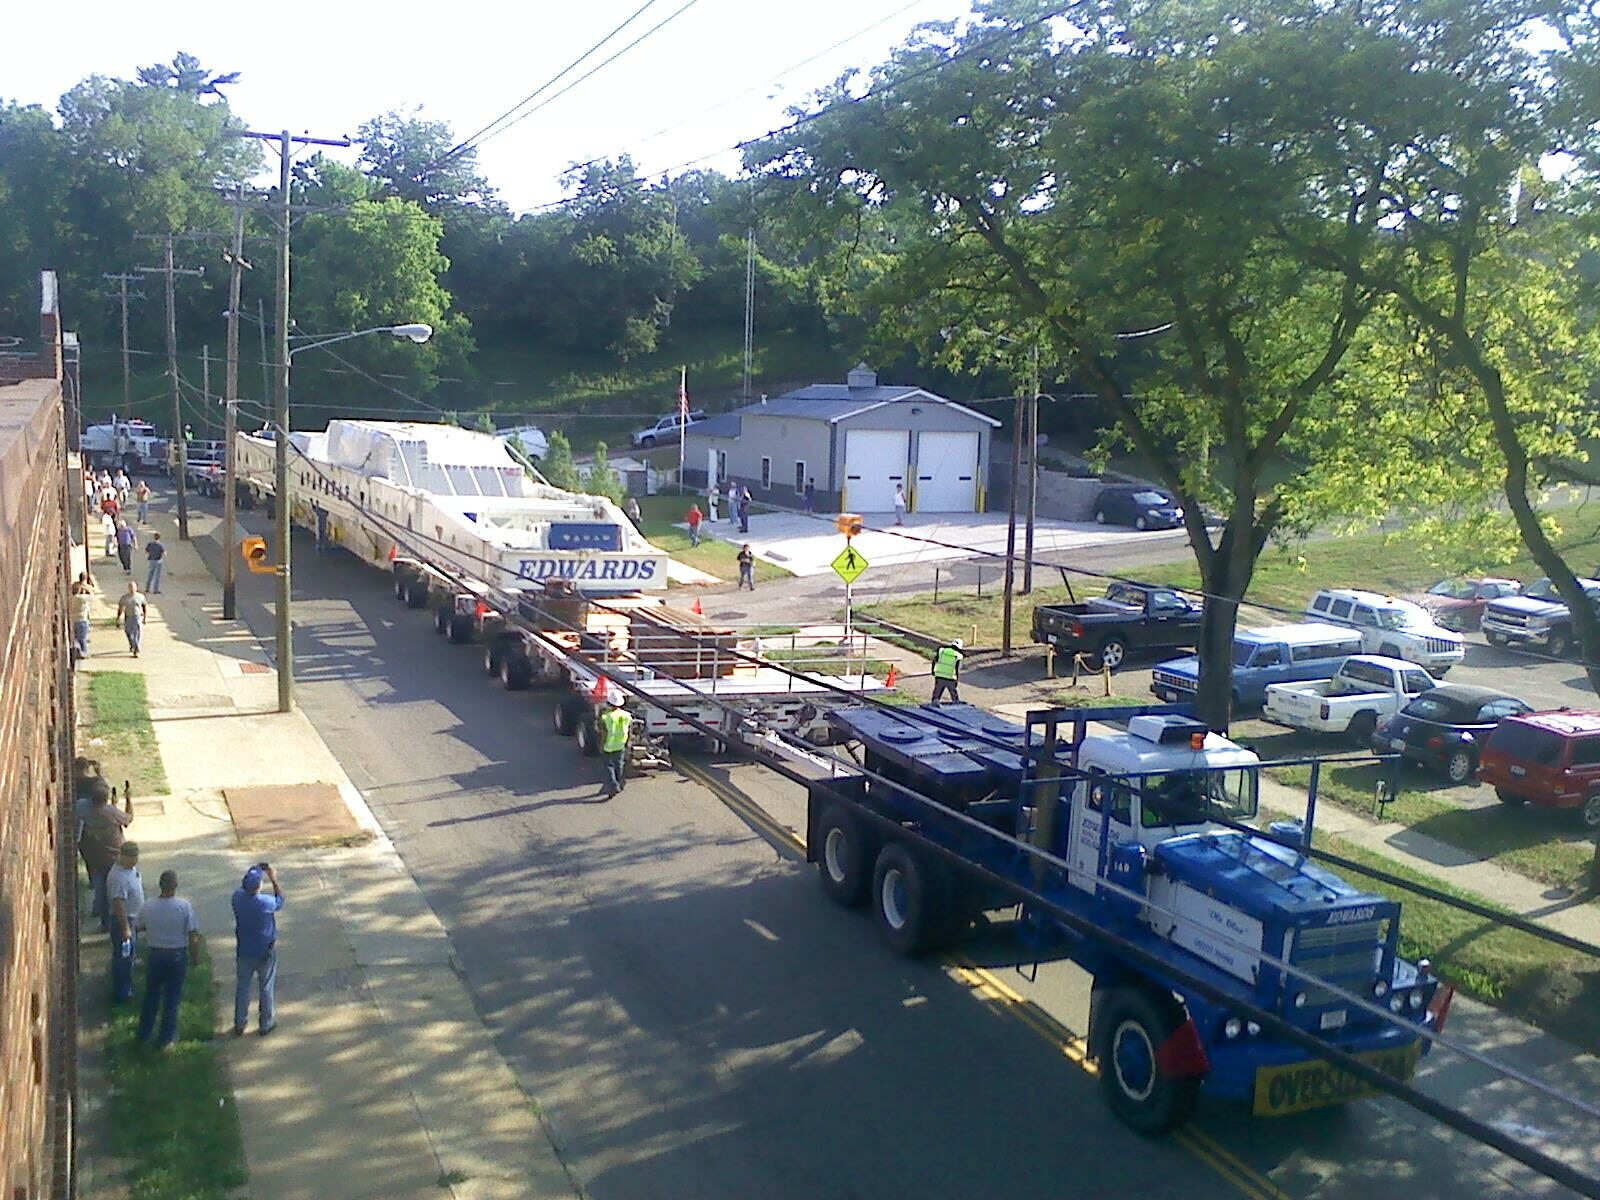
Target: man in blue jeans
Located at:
point(255, 929)
point(173, 937)
point(156, 553)
point(125, 894)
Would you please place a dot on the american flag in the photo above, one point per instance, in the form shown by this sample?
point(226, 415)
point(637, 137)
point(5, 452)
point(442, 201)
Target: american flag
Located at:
point(683, 396)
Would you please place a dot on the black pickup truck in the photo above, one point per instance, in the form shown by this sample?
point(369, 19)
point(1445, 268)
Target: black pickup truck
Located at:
point(1130, 616)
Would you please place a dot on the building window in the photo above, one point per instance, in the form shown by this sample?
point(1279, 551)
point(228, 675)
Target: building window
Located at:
point(766, 474)
point(799, 478)
point(722, 465)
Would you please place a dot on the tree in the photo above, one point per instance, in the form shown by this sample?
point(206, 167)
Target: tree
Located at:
point(557, 465)
point(1082, 194)
point(186, 74)
point(601, 480)
point(418, 160)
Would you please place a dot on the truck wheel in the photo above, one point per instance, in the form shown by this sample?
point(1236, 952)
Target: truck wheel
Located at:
point(1458, 767)
point(441, 621)
point(1558, 643)
point(842, 858)
point(1589, 812)
point(588, 737)
point(492, 654)
point(1112, 652)
point(460, 629)
point(565, 717)
point(1494, 639)
point(416, 594)
point(1132, 1026)
point(1508, 798)
point(1361, 728)
point(909, 901)
point(647, 442)
point(515, 672)
point(400, 585)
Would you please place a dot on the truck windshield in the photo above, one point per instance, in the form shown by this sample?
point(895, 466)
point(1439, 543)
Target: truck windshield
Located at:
point(1193, 797)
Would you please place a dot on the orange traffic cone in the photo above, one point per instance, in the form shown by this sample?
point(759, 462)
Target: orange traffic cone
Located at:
point(394, 551)
point(894, 675)
point(696, 608)
point(601, 688)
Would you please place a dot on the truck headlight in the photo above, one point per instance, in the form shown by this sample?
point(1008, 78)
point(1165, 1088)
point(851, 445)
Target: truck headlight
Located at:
point(1252, 1028)
point(1381, 988)
point(1414, 1001)
point(1397, 1003)
point(1300, 1000)
point(1232, 1028)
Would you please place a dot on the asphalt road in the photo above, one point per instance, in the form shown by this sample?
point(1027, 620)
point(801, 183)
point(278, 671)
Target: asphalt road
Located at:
point(693, 1019)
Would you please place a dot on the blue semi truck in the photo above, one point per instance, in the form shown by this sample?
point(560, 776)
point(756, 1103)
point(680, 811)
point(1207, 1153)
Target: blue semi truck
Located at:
point(1121, 846)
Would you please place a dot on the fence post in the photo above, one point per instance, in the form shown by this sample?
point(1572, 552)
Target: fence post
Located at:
point(980, 581)
point(936, 585)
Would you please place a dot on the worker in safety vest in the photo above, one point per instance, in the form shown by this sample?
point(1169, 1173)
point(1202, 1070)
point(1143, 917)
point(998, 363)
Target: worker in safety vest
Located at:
point(615, 724)
point(947, 671)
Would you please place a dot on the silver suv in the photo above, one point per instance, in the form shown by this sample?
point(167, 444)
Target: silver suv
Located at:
point(666, 429)
point(1393, 628)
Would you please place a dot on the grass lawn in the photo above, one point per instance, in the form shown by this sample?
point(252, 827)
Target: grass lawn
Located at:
point(173, 1118)
point(1284, 578)
point(1091, 697)
point(824, 658)
point(120, 710)
point(1532, 979)
point(713, 555)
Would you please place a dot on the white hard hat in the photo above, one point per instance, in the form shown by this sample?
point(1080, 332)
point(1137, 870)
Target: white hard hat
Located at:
point(958, 643)
point(615, 697)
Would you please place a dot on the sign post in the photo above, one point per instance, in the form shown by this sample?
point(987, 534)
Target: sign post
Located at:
point(849, 566)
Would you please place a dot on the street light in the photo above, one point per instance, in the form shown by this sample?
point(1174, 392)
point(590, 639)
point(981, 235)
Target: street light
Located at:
point(417, 332)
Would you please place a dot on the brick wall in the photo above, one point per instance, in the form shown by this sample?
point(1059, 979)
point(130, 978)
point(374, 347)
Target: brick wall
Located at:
point(38, 913)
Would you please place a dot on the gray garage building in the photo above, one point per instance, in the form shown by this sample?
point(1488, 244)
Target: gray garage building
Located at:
point(856, 440)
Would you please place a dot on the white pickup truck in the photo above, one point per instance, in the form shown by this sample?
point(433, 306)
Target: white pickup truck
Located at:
point(1365, 689)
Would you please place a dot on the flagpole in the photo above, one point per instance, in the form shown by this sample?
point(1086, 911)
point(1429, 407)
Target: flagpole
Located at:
point(683, 424)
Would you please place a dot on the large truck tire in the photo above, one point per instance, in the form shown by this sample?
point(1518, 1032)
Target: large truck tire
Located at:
point(565, 716)
point(460, 630)
point(416, 593)
point(516, 672)
point(441, 621)
point(401, 583)
point(493, 652)
point(588, 736)
point(910, 900)
point(844, 857)
point(1131, 1026)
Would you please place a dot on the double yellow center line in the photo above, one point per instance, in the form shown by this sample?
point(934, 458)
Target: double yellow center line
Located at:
point(991, 989)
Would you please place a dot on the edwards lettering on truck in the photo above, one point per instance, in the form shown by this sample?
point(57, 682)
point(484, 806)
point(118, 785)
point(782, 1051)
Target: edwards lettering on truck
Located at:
point(619, 570)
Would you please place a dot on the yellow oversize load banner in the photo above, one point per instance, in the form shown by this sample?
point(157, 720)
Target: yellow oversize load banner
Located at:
point(1298, 1086)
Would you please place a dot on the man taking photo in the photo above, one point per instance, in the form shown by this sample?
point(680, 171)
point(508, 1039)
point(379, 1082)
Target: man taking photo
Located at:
point(255, 929)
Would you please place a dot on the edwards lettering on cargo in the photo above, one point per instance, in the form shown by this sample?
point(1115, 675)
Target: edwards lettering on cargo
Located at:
point(618, 570)
point(1346, 916)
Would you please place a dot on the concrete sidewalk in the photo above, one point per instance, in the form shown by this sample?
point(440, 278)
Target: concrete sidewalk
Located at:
point(381, 1080)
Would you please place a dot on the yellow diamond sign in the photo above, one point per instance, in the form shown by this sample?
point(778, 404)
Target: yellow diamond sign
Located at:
point(850, 564)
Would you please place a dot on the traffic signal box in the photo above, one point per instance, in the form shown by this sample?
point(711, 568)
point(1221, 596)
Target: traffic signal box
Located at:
point(254, 552)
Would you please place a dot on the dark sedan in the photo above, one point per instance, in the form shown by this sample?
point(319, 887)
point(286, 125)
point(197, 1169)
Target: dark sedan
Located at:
point(1139, 505)
point(1444, 729)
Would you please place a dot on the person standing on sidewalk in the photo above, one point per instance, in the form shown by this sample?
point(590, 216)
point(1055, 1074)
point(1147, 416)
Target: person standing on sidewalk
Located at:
point(79, 602)
point(947, 671)
point(899, 504)
point(747, 567)
point(811, 495)
point(141, 497)
point(125, 894)
point(694, 518)
point(108, 527)
point(101, 839)
point(255, 934)
point(126, 538)
point(157, 554)
point(712, 497)
point(172, 938)
point(615, 725)
point(130, 615)
point(744, 510)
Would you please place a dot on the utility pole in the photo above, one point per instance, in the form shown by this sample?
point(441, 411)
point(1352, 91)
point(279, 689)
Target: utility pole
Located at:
point(182, 458)
point(205, 384)
point(1033, 473)
point(266, 363)
point(749, 306)
point(237, 267)
point(122, 280)
point(1011, 524)
point(280, 434)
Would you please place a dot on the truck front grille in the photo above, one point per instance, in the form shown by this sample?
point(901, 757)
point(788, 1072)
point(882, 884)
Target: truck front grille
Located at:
point(1443, 646)
point(1515, 619)
point(1346, 955)
point(1175, 682)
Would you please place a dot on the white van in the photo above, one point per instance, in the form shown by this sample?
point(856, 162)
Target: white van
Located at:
point(1390, 627)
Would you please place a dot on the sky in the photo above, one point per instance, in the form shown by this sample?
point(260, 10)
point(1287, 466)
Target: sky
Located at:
point(336, 64)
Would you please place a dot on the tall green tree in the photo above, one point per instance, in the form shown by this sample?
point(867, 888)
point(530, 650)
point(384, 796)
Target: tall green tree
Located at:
point(557, 465)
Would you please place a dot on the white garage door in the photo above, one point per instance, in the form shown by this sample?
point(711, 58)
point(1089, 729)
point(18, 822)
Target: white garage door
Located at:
point(874, 461)
point(947, 472)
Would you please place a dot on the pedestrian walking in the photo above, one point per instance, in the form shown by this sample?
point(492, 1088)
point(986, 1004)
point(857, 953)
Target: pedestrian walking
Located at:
point(616, 723)
point(733, 500)
point(124, 485)
point(100, 841)
point(109, 503)
point(811, 495)
point(747, 567)
point(126, 538)
point(947, 671)
point(899, 504)
point(695, 517)
point(141, 497)
point(156, 553)
point(634, 514)
point(744, 510)
point(172, 946)
point(712, 496)
point(108, 527)
point(79, 603)
point(130, 615)
point(255, 935)
point(125, 894)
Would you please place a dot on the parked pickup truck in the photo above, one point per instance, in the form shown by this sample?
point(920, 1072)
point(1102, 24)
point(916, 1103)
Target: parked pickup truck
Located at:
point(1537, 617)
point(1128, 617)
point(1365, 689)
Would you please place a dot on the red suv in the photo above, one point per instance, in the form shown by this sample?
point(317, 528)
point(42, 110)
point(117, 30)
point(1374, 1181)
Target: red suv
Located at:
point(1551, 759)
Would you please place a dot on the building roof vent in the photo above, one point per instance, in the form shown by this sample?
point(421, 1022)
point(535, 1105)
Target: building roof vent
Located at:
point(862, 376)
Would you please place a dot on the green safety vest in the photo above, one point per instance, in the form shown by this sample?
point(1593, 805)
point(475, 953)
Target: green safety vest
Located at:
point(946, 663)
point(614, 726)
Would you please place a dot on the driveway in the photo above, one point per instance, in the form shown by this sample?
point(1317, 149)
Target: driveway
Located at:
point(807, 545)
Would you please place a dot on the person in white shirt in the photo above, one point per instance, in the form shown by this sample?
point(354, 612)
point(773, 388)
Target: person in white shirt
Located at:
point(125, 892)
point(172, 935)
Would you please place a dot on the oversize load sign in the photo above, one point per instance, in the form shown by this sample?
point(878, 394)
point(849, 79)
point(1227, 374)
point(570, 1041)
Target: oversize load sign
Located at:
point(1299, 1086)
point(639, 572)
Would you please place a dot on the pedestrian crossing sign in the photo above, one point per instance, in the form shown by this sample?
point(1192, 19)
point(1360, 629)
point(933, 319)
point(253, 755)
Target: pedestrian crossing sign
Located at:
point(850, 564)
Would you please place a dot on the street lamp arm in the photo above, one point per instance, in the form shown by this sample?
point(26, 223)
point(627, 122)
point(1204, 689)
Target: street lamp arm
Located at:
point(417, 332)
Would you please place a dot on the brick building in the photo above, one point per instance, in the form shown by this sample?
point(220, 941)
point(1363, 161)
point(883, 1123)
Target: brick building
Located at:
point(38, 910)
